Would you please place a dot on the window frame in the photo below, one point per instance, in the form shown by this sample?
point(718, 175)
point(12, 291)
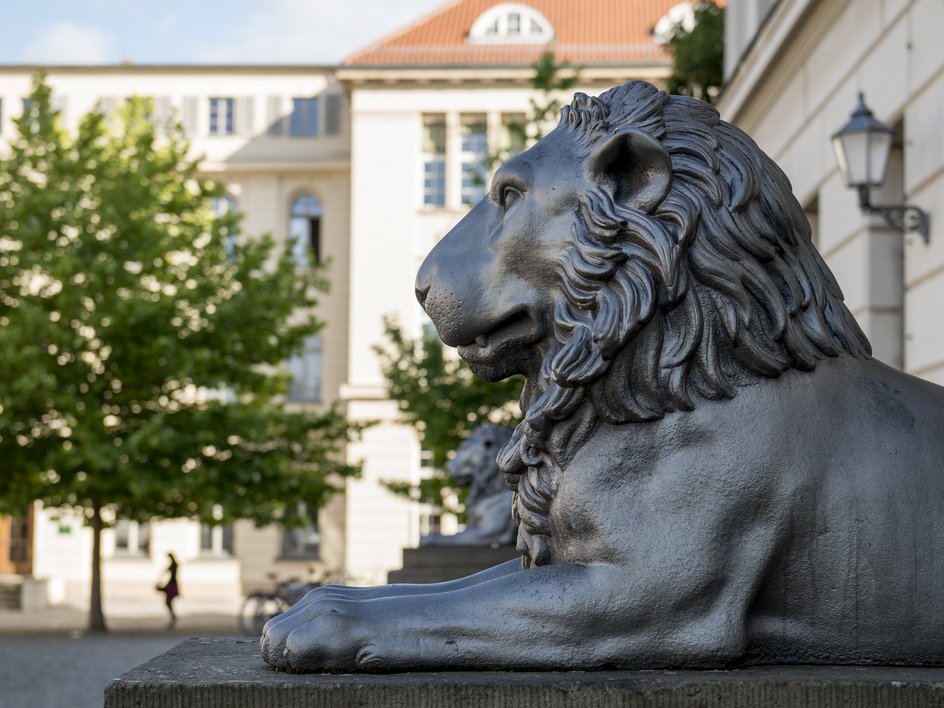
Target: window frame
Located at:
point(473, 161)
point(308, 367)
point(298, 126)
point(496, 25)
point(289, 549)
point(134, 546)
point(228, 126)
point(305, 218)
point(435, 166)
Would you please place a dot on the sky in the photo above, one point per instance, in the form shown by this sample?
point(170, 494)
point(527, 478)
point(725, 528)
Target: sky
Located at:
point(198, 31)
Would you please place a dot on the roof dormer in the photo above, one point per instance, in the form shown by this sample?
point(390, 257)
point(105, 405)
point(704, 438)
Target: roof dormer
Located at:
point(511, 23)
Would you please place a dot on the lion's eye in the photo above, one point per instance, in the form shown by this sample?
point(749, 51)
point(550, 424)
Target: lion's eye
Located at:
point(509, 195)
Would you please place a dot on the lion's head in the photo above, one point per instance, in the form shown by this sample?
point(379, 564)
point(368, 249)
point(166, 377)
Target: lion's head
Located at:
point(475, 465)
point(642, 256)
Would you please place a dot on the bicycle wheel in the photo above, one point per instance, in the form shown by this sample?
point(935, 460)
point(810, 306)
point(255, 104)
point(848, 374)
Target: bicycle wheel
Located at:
point(259, 609)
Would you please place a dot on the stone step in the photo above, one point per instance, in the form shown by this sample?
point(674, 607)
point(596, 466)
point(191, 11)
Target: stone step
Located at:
point(9, 597)
point(457, 556)
point(429, 575)
point(435, 564)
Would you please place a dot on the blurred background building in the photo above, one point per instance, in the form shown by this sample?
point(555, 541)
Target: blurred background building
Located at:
point(793, 70)
point(367, 164)
point(362, 166)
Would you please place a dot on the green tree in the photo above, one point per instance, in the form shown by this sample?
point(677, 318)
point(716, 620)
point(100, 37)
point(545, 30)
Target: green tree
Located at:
point(698, 54)
point(442, 399)
point(142, 339)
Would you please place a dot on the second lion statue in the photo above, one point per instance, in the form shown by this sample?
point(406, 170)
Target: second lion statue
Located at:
point(489, 503)
point(712, 470)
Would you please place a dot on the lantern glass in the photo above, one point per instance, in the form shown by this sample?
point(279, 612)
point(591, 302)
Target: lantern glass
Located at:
point(862, 148)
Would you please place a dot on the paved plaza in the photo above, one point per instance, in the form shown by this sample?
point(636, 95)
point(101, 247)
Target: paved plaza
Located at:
point(47, 661)
point(52, 671)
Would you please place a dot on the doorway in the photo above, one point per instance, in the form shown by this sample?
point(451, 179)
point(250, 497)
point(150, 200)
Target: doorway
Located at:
point(16, 544)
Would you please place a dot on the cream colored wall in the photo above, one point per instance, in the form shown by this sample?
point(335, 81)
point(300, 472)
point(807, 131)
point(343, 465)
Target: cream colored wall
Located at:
point(797, 88)
point(265, 198)
point(82, 88)
point(63, 552)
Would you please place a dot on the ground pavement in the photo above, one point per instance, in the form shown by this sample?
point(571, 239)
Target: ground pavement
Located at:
point(48, 661)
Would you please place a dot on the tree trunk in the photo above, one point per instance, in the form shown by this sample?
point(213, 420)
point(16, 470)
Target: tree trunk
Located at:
point(96, 615)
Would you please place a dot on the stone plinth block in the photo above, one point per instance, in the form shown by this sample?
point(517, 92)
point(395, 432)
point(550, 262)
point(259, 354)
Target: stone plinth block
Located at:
point(227, 672)
point(436, 564)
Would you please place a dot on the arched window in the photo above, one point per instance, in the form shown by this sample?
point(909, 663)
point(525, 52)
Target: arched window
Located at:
point(511, 23)
point(305, 230)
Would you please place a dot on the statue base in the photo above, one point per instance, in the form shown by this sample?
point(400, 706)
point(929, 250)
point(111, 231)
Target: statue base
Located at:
point(436, 564)
point(228, 672)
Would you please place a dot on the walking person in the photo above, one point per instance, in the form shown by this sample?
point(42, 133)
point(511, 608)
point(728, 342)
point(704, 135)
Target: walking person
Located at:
point(170, 589)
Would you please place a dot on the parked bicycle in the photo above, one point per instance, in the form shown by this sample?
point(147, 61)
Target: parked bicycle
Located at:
point(259, 607)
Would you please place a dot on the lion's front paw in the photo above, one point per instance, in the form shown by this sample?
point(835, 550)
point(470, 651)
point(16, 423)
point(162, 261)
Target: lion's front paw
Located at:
point(324, 634)
point(317, 601)
point(323, 643)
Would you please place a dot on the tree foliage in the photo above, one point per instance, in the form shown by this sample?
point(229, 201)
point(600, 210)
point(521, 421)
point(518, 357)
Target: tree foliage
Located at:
point(442, 399)
point(698, 54)
point(142, 337)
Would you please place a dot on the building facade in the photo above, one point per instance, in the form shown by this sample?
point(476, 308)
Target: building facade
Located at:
point(794, 69)
point(365, 166)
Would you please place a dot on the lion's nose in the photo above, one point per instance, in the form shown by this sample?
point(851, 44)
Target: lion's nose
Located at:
point(424, 279)
point(421, 293)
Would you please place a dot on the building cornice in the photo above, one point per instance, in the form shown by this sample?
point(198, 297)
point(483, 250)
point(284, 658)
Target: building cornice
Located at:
point(767, 46)
point(358, 76)
point(307, 166)
point(168, 68)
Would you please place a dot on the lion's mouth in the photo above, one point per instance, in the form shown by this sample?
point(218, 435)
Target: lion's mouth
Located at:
point(515, 329)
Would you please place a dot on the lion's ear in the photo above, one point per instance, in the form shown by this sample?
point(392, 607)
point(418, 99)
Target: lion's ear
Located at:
point(637, 165)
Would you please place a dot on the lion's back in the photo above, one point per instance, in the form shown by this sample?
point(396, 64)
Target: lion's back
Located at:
point(864, 541)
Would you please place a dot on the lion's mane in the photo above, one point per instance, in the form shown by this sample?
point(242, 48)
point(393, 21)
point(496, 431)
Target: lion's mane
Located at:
point(720, 286)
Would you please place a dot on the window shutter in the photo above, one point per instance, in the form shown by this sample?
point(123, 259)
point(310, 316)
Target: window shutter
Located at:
point(275, 116)
point(332, 114)
point(245, 107)
point(162, 115)
point(190, 115)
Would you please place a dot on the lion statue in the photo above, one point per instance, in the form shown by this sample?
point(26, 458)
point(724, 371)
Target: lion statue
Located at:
point(711, 471)
point(489, 503)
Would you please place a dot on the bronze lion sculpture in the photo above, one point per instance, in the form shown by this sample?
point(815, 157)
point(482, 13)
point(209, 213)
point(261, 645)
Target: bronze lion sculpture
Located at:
point(712, 470)
point(488, 506)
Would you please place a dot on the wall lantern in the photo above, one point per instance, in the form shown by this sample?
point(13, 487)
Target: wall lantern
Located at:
point(862, 147)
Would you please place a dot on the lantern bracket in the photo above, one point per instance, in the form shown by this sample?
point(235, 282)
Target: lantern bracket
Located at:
point(902, 218)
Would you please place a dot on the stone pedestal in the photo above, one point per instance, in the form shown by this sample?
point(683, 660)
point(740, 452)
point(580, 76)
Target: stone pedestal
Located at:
point(227, 672)
point(434, 564)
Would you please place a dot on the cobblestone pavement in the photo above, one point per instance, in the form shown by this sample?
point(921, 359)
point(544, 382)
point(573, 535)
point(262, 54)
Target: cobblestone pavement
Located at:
point(70, 671)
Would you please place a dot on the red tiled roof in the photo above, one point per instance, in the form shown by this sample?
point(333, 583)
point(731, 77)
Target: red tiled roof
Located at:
point(586, 32)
